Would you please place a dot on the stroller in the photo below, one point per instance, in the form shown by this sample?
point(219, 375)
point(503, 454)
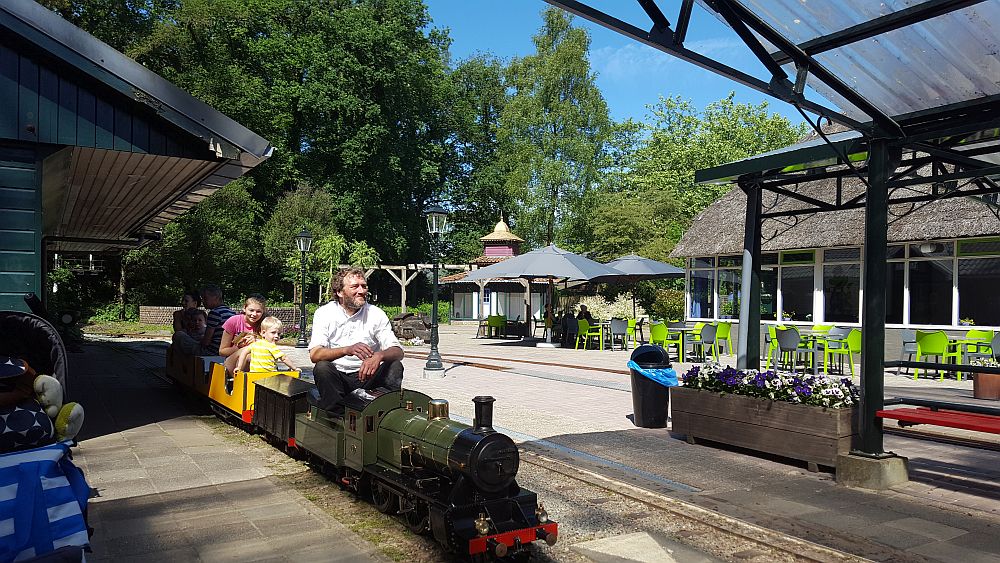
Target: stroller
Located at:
point(47, 512)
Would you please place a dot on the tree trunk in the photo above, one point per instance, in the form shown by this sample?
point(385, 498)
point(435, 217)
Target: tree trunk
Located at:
point(121, 291)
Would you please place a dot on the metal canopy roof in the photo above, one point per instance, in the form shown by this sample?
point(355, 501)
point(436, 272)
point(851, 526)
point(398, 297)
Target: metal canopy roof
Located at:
point(920, 74)
point(162, 150)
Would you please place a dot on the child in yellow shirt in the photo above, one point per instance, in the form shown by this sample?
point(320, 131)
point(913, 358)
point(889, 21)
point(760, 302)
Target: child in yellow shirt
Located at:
point(264, 352)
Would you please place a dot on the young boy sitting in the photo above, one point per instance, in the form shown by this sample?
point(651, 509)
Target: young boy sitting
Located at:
point(264, 352)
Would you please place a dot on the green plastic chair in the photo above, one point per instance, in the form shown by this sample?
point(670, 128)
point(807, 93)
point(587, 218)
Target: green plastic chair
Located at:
point(935, 344)
point(630, 333)
point(498, 322)
point(658, 334)
point(722, 334)
point(848, 346)
point(585, 332)
point(772, 344)
point(822, 328)
point(976, 340)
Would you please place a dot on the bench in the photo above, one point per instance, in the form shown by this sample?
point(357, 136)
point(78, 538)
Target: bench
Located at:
point(954, 419)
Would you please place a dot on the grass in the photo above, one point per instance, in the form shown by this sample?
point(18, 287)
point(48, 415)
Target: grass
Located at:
point(127, 327)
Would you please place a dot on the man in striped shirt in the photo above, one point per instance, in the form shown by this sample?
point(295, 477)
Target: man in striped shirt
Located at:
point(218, 313)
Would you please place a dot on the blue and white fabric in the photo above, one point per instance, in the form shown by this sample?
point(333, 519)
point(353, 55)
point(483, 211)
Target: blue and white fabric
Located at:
point(43, 497)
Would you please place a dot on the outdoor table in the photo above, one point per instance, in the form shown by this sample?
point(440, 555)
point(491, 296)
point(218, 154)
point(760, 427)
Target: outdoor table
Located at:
point(684, 332)
point(960, 341)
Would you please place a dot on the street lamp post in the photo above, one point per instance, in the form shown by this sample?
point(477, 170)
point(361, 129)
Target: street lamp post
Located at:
point(304, 242)
point(437, 219)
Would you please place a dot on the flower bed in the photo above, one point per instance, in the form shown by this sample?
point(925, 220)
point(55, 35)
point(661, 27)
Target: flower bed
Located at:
point(808, 417)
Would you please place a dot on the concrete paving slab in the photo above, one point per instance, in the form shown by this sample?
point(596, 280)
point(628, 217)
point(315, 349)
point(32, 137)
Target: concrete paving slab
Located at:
point(933, 530)
point(641, 547)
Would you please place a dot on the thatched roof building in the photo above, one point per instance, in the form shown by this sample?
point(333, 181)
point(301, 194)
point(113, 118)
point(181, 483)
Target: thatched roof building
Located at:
point(719, 228)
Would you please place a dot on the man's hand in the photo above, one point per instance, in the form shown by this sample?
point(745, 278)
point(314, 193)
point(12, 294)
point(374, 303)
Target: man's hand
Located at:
point(361, 350)
point(369, 366)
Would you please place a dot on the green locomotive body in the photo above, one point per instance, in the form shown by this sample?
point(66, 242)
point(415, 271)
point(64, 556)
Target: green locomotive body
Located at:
point(454, 480)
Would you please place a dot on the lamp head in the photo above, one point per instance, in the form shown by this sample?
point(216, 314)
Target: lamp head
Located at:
point(304, 240)
point(437, 219)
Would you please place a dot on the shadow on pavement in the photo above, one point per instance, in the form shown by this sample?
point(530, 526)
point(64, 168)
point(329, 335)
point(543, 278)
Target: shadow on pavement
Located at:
point(122, 385)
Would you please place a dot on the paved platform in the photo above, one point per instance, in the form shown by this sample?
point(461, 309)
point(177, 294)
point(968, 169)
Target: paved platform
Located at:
point(950, 510)
point(171, 489)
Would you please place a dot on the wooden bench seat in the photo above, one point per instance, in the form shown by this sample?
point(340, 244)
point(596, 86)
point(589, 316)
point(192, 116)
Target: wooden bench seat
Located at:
point(954, 419)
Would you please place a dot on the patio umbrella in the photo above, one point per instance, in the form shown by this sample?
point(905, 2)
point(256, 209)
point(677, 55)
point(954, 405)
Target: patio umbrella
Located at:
point(636, 268)
point(550, 262)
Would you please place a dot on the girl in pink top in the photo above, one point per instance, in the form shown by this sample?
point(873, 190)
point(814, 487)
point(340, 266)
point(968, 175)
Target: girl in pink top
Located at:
point(239, 331)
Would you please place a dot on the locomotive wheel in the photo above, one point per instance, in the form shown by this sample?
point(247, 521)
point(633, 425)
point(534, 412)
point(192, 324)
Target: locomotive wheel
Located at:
point(416, 518)
point(385, 500)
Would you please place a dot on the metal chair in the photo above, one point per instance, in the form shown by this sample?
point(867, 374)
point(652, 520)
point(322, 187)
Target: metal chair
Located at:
point(707, 339)
point(619, 328)
point(789, 346)
point(838, 343)
point(908, 349)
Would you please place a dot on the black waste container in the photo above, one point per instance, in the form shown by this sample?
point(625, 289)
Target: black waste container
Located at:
point(649, 398)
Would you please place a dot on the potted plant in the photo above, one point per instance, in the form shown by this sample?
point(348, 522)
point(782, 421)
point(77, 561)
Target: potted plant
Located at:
point(808, 417)
point(986, 385)
point(787, 315)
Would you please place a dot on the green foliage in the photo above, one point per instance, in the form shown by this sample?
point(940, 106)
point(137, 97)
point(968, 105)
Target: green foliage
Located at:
point(112, 312)
point(553, 133)
point(669, 304)
point(659, 198)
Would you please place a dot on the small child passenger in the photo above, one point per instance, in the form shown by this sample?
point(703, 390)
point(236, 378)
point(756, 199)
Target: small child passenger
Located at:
point(264, 352)
point(188, 340)
point(240, 331)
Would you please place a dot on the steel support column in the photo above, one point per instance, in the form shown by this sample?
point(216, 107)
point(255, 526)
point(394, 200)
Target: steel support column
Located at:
point(748, 346)
point(873, 307)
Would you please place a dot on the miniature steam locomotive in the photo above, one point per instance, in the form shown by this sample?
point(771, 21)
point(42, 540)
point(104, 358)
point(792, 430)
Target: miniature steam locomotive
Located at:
point(455, 481)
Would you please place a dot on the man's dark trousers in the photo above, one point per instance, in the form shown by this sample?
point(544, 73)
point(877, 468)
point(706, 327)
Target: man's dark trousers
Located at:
point(334, 384)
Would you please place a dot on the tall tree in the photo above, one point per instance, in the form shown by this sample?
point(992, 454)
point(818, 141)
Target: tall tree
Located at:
point(553, 133)
point(119, 23)
point(477, 191)
point(659, 196)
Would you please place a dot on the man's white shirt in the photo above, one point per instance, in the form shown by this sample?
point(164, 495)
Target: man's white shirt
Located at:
point(333, 328)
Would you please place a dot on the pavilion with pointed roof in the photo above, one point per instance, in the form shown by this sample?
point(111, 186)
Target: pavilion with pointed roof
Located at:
point(473, 300)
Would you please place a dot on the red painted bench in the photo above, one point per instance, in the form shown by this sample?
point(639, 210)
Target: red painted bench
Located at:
point(954, 419)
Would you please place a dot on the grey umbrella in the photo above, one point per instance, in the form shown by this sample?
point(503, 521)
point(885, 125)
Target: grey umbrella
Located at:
point(550, 262)
point(636, 268)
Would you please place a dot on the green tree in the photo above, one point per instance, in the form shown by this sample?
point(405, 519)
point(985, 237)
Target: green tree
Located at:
point(553, 134)
point(119, 23)
point(477, 189)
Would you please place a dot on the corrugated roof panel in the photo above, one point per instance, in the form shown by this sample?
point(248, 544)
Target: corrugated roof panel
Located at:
point(944, 60)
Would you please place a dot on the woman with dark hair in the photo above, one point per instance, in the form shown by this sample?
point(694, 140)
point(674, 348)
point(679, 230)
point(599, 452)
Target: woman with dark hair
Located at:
point(191, 300)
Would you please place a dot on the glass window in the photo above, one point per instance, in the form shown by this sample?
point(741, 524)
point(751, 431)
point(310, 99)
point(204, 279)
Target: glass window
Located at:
point(931, 248)
point(978, 247)
point(705, 262)
point(977, 295)
point(731, 261)
point(842, 255)
point(895, 251)
point(894, 278)
point(797, 293)
point(769, 258)
point(702, 287)
point(930, 292)
point(841, 284)
point(798, 257)
point(769, 294)
point(729, 293)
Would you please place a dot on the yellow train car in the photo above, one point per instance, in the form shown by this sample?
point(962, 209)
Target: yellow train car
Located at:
point(239, 400)
point(206, 376)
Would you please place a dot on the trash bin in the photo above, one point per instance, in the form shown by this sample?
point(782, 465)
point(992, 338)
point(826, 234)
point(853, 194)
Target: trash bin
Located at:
point(649, 398)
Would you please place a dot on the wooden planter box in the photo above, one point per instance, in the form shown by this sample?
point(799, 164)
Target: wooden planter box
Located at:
point(815, 435)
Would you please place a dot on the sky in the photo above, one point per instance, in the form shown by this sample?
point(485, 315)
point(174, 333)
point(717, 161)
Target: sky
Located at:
point(629, 74)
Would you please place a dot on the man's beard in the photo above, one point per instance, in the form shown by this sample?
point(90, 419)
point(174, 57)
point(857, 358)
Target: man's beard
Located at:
point(354, 303)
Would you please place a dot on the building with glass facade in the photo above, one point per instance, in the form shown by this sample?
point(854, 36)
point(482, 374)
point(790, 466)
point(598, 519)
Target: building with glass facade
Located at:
point(943, 263)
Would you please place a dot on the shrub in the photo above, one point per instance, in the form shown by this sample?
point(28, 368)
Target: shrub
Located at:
point(444, 310)
point(669, 304)
point(111, 312)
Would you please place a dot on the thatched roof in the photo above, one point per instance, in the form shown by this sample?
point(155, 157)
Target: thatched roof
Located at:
point(719, 228)
point(501, 233)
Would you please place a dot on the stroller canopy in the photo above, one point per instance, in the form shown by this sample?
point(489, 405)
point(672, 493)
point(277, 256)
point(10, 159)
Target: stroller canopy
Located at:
point(35, 340)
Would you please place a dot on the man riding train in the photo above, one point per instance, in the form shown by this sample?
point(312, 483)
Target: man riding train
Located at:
point(352, 345)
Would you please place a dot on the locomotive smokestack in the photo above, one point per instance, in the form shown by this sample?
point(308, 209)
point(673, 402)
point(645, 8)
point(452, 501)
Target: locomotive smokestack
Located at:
point(484, 415)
